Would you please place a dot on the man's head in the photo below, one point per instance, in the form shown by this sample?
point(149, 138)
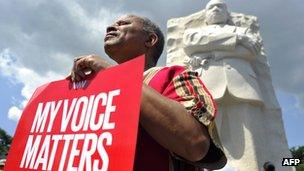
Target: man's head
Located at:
point(131, 36)
point(268, 166)
point(216, 12)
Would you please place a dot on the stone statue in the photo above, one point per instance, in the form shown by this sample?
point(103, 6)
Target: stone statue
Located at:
point(226, 49)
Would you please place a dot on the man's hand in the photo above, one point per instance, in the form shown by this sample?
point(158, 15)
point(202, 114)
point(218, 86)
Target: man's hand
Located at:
point(84, 65)
point(252, 45)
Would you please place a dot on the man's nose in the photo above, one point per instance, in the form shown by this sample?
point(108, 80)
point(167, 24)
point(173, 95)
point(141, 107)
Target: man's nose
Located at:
point(111, 28)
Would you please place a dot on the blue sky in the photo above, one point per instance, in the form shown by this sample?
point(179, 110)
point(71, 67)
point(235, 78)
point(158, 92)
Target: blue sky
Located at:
point(39, 39)
point(292, 117)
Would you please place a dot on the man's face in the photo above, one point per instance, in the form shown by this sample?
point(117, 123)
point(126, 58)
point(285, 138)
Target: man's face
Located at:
point(125, 39)
point(216, 13)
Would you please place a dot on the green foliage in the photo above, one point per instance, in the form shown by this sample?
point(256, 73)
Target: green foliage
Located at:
point(300, 167)
point(5, 142)
point(298, 152)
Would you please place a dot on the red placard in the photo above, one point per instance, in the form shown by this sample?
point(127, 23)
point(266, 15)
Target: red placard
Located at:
point(91, 125)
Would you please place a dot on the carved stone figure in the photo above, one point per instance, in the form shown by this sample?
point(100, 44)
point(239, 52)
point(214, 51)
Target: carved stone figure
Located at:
point(226, 49)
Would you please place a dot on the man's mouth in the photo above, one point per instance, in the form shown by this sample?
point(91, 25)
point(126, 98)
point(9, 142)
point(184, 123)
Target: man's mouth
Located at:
point(110, 35)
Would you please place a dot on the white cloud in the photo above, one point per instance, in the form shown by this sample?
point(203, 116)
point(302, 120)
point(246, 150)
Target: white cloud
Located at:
point(94, 25)
point(46, 35)
point(14, 113)
point(38, 45)
point(12, 68)
point(38, 31)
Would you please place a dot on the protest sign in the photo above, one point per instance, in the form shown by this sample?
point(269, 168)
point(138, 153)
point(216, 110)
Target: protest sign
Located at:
point(89, 125)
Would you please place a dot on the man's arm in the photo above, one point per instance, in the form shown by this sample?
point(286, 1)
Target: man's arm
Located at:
point(169, 123)
point(166, 120)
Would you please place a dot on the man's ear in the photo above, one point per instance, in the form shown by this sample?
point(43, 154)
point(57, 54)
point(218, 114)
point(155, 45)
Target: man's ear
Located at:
point(151, 41)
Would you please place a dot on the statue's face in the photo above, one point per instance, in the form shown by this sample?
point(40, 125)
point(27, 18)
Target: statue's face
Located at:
point(216, 12)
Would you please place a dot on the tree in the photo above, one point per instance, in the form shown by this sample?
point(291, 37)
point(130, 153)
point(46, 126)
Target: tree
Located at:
point(298, 152)
point(5, 142)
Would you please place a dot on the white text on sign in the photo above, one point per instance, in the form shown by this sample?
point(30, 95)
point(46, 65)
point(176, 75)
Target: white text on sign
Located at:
point(78, 114)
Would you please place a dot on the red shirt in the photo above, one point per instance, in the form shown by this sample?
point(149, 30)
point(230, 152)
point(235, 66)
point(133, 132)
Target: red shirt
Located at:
point(183, 86)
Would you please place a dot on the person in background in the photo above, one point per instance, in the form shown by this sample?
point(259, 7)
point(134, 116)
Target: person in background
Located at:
point(268, 166)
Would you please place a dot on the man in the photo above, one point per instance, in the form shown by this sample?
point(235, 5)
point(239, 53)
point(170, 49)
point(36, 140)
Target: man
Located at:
point(167, 127)
point(268, 166)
